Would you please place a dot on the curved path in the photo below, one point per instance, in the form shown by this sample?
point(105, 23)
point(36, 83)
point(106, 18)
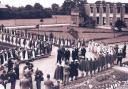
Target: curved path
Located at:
point(47, 65)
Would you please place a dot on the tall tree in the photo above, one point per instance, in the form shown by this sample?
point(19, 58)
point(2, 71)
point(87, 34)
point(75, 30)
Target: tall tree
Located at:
point(27, 12)
point(28, 7)
point(67, 7)
point(55, 8)
point(38, 6)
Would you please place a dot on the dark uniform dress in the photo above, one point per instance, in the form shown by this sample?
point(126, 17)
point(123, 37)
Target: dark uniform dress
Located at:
point(58, 75)
point(72, 70)
point(124, 51)
point(87, 66)
point(38, 78)
point(91, 66)
point(119, 58)
point(76, 70)
point(95, 65)
point(102, 59)
point(82, 65)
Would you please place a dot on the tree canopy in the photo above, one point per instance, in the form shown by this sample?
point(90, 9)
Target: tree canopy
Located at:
point(55, 9)
point(27, 12)
point(120, 24)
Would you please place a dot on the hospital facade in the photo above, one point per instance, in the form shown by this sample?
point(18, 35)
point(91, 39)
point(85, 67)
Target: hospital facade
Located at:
point(103, 14)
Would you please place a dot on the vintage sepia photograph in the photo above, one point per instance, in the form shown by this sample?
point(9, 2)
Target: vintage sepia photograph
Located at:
point(63, 44)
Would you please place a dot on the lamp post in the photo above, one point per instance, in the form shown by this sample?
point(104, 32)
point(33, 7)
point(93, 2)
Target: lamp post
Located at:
point(41, 20)
point(112, 27)
point(37, 26)
point(56, 19)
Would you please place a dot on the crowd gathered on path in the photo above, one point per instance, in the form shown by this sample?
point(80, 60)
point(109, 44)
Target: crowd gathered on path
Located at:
point(85, 58)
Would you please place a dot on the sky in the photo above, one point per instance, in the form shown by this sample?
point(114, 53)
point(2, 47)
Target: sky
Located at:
point(45, 3)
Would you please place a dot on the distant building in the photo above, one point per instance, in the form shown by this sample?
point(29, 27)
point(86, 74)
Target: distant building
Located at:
point(107, 14)
point(104, 14)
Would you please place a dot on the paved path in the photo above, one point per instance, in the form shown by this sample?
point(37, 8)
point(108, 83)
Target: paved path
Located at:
point(47, 65)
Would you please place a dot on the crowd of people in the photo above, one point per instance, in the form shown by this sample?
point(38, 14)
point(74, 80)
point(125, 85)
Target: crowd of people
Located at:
point(85, 58)
point(11, 75)
point(88, 60)
point(24, 49)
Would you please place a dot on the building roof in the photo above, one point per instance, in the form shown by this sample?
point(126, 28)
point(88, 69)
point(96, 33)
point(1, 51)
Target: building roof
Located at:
point(2, 6)
point(111, 4)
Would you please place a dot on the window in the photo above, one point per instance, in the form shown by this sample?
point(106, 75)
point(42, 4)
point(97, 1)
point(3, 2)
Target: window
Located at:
point(97, 9)
point(91, 9)
point(126, 8)
point(104, 9)
point(110, 20)
point(118, 9)
point(104, 20)
point(97, 20)
point(111, 9)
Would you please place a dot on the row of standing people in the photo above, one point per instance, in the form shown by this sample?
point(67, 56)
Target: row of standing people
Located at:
point(87, 66)
point(50, 37)
point(24, 54)
point(23, 42)
point(63, 54)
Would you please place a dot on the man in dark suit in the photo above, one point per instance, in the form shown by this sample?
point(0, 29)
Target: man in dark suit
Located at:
point(38, 78)
point(16, 68)
point(76, 69)
point(12, 78)
point(72, 70)
point(116, 49)
point(59, 56)
point(73, 55)
point(119, 58)
point(83, 51)
point(76, 53)
point(4, 78)
point(67, 55)
point(10, 64)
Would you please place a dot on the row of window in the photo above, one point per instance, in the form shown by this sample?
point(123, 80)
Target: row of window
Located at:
point(110, 20)
point(104, 10)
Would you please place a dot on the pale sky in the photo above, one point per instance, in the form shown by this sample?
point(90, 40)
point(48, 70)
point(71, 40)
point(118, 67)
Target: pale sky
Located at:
point(45, 3)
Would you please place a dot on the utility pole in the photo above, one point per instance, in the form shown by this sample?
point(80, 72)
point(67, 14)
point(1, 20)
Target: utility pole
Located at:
point(37, 26)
